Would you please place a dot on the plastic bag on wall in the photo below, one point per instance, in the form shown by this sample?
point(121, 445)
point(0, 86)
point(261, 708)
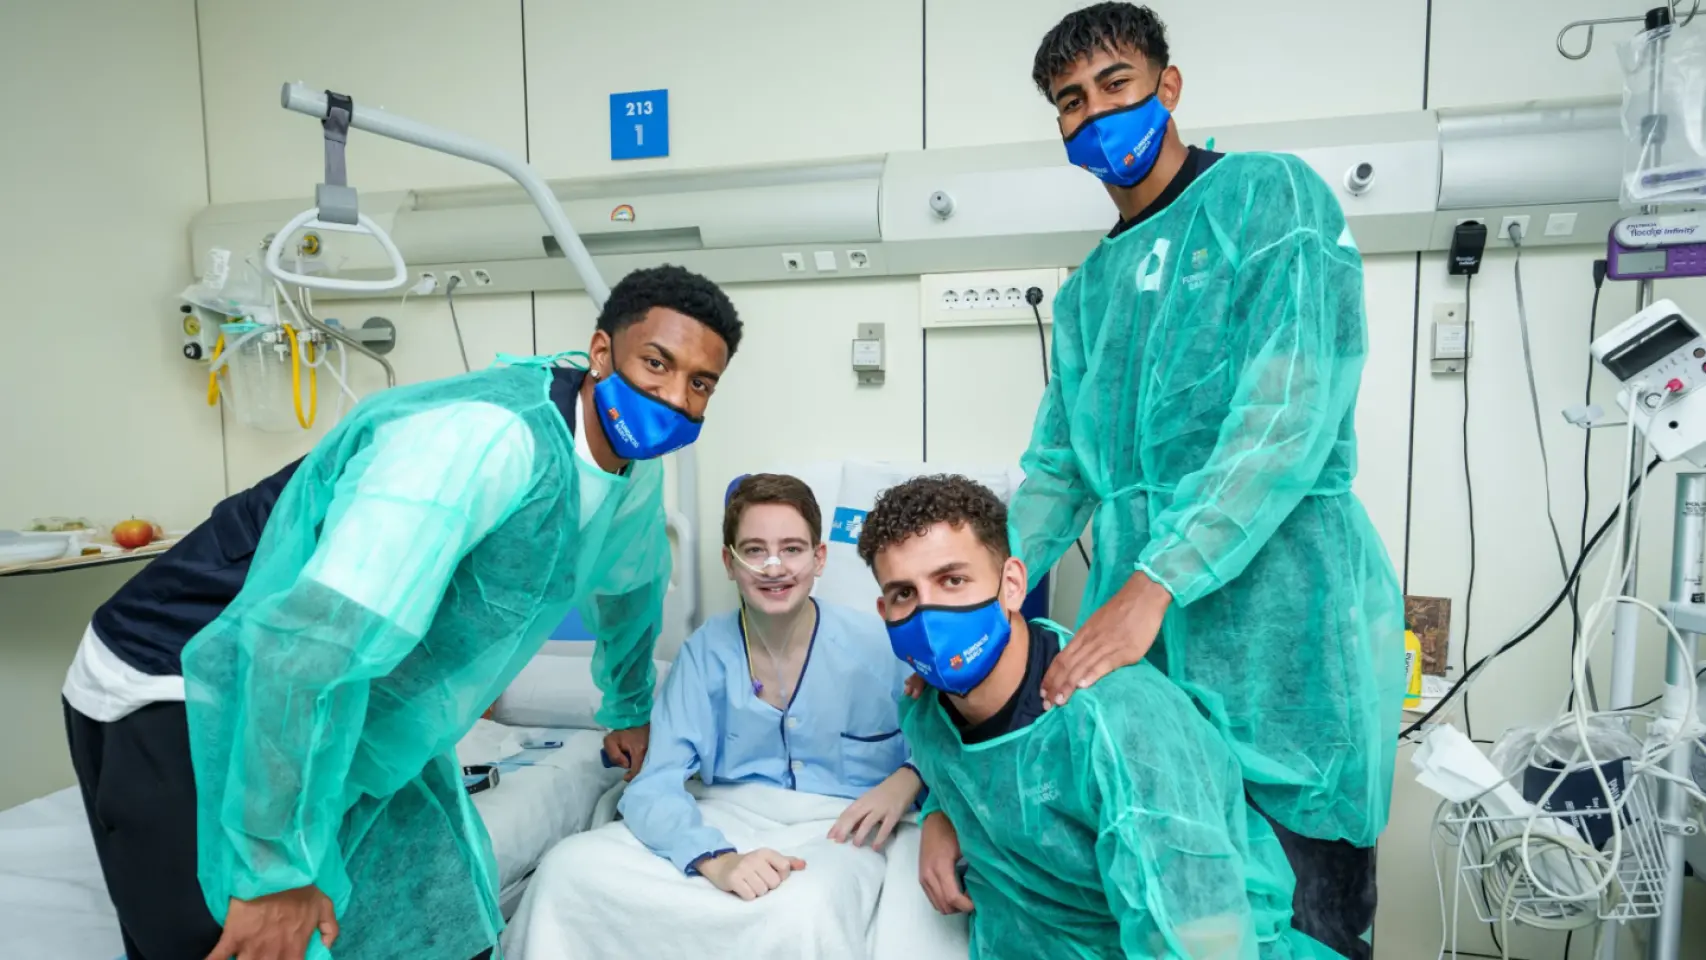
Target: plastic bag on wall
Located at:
point(1664, 117)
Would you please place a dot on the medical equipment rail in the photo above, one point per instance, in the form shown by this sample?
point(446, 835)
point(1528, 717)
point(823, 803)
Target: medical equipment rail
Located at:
point(298, 97)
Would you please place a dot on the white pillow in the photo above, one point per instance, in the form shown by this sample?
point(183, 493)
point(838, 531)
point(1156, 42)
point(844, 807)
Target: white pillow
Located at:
point(555, 691)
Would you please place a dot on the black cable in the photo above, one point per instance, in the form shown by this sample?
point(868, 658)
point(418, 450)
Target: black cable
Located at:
point(1034, 297)
point(1042, 338)
point(1599, 269)
point(1545, 615)
point(1569, 937)
point(1469, 495)
point(450, 298)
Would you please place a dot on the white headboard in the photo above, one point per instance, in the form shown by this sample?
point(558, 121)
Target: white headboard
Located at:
point(846, 490)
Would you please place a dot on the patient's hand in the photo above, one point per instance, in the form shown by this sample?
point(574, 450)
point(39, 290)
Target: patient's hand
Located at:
point(627, 748)
point(750, 875)
point(938, 856)
point(914, 686)
point(880, 809)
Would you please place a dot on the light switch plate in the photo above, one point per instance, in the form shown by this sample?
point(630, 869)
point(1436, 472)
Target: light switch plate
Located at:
point(1453, 339)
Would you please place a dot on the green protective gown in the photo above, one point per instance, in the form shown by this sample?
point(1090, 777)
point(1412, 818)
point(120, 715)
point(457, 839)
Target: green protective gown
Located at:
point(1115, 826)
point(415, 562)
point(1201, 421)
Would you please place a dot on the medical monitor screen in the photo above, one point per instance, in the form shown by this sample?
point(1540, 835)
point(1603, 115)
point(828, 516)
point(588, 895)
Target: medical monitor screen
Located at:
point(1628, 361)
point(1643, 263)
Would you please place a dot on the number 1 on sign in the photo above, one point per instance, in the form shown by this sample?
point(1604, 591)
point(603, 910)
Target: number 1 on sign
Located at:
point(639, 134)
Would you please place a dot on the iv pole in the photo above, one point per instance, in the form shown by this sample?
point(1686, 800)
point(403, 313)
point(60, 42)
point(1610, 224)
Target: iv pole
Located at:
point(1685, 561)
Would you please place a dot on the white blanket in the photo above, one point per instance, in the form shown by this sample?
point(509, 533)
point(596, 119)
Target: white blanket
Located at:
point(602, 894)
point(907, 927)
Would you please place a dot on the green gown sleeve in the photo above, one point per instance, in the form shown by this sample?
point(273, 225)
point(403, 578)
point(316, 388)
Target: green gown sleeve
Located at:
point(625, 611)
point(1169, 809)
point(282, 727)
point(1053, 504)
point(1297, 304)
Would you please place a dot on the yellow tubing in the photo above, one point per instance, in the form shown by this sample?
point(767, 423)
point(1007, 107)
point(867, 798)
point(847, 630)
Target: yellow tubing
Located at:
point(296, 381)
point(213, 375)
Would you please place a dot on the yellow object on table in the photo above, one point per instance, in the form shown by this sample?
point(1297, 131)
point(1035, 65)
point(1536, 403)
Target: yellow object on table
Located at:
point(1412, 670)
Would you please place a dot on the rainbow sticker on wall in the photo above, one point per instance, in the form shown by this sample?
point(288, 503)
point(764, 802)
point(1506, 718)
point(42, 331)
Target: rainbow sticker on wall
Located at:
point(622, 214)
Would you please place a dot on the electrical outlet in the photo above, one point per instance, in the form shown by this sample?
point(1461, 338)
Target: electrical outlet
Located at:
point(995, 298)
point(453, 276)
point(481, 276)
point(793, 263)
point(858, 260)
point(1520, 222)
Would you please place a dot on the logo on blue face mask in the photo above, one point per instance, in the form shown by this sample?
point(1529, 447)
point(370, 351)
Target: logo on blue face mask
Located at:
point(952, 648)
point(639, 425)
point(1120, 146)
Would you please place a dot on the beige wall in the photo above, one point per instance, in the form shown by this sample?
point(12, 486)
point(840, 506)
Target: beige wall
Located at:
point(101, 167)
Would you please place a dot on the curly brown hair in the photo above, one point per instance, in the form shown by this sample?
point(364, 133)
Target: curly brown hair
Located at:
point(771, 488)
point(910, 509)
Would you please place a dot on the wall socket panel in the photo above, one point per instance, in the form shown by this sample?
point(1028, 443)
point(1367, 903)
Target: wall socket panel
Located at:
point(990, 299)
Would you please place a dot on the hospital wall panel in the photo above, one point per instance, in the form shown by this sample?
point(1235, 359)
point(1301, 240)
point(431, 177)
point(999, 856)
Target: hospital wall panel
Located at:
point(766, 82)
point(790, 394)
point(1506, 52)
point(1383, 402)
point(456, 64)
point(103, 418)
point(1243, 61)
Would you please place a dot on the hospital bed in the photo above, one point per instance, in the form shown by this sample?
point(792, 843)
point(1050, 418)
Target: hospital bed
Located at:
point(53, 902)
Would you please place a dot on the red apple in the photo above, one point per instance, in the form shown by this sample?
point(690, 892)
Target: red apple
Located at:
point(133, 533)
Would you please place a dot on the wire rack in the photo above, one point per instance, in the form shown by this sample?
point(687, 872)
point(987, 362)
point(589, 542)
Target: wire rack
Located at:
point(1502, 889)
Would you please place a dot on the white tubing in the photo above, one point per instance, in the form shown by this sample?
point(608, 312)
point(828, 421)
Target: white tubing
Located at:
point(311, 219)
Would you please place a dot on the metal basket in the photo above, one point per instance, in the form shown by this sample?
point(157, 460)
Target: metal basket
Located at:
point(1502, 889)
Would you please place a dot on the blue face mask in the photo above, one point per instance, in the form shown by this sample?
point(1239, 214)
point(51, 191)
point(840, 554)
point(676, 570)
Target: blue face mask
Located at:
point(639, 425)
point(952, 648)
point(1119, 146)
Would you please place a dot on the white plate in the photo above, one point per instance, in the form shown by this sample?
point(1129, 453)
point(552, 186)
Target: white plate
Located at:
point(18, 548)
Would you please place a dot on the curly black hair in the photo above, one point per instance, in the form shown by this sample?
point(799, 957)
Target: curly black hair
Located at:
point(1101, 26)
point(910, 509)
point(677, 289)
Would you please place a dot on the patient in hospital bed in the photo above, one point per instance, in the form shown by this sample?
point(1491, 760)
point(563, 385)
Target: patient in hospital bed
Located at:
point(785, 710)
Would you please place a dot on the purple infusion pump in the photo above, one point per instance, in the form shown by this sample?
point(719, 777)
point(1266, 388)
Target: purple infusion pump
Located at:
point(1657, 247)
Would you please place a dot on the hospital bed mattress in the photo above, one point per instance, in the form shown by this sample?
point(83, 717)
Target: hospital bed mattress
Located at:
point(53, 902)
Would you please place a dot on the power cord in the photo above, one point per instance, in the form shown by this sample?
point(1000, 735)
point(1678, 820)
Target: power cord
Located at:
point(1534, 401)
point(450, 298)
point(1546, 614)
point(1599, 271)
point(1034, 297)
point(1469, 495)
